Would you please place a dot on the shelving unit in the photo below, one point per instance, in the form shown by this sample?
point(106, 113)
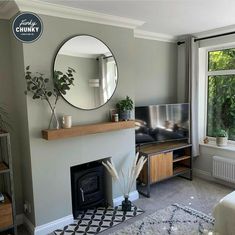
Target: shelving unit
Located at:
point(181, 158)
point(180, 169)
point(164, 160)
point(7, 207)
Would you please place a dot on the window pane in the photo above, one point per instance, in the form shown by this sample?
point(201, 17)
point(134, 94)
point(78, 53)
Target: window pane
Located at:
point(221, 60)
point(221, 105)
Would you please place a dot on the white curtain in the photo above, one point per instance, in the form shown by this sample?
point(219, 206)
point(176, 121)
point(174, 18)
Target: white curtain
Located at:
point(188, 89)
point(103, 78)
point(108, 77)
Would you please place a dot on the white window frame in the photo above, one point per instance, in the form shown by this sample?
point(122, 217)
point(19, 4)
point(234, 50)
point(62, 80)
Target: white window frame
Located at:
point(214, 73)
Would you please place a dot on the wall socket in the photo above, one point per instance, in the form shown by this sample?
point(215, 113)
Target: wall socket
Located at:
point(27, 207)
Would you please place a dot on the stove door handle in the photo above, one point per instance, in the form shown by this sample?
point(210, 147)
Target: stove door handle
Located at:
point(82, 192)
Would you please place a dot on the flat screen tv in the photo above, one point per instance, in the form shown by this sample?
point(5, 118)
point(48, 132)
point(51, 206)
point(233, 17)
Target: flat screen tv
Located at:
point(160, 123)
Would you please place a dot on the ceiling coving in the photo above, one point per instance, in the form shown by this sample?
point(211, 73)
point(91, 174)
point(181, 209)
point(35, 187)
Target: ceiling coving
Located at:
point(163, 19)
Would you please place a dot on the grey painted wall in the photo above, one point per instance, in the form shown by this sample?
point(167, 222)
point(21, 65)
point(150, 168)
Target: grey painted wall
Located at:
point(81, 94)
point(217, 41)
point(7, 99)
point(181, 74)
point(155, 72)
point(51, 160)
point(204, 161)
point(147, 72)
point(19, 86)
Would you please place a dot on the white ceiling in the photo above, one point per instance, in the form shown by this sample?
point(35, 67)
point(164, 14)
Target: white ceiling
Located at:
point(84, 46)
point(170, 17)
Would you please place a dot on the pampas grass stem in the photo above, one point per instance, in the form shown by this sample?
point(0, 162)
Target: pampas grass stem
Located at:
point(131, 175)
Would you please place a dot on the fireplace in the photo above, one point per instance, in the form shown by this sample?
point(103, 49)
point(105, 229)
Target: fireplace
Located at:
point(87, 183)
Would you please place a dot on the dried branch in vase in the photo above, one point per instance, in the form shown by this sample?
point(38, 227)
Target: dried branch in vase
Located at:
point(38, 86)
point(130, 177)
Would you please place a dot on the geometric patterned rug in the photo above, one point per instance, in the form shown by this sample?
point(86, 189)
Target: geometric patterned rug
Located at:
point(176, 219)
point(94, 221)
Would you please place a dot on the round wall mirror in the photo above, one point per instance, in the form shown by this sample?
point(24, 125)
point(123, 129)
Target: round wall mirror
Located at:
point(96, 74)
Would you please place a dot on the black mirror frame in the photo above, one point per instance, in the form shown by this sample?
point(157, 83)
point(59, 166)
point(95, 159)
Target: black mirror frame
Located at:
point(66, 40)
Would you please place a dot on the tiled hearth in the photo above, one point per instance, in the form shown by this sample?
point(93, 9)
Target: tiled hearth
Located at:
point(93, 221)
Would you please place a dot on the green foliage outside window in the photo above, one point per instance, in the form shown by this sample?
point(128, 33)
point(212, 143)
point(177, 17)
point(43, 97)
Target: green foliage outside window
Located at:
point(221, 94)
point(221, 59)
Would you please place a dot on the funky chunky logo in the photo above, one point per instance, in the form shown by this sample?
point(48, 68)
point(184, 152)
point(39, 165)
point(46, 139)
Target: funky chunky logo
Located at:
point(27, 27)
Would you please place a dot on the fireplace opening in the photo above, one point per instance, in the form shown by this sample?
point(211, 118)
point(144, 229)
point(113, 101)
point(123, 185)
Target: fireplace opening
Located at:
point(87, 183)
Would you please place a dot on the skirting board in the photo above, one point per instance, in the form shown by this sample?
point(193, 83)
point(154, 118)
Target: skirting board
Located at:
point(132, 197)
point(60, 223)
point(203, 174)
point(29, 225)
point(208, 176)
point(49, 227)
point(19, 219)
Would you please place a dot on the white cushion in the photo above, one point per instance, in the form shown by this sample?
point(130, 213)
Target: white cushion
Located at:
point(224, 213)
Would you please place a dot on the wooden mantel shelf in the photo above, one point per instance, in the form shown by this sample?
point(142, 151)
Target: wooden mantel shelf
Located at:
point(86, 130)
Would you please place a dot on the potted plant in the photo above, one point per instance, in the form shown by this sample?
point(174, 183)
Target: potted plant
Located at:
point(124, 107)
point(221, 138)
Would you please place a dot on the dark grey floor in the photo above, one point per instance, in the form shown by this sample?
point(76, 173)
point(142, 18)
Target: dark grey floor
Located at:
point(22, 230)
point(199, 194)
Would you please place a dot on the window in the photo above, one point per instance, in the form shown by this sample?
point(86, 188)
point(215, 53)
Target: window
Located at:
point(221, 92)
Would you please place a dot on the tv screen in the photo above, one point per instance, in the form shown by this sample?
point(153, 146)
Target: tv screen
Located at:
point(159, 123)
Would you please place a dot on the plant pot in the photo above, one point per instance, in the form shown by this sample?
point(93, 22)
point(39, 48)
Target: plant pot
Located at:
point(125, 115)
point(126, 204)
point(221, 141)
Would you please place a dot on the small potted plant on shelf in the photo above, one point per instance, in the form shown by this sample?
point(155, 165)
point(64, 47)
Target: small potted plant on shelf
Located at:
point(221, 138)
point(124, 107)
point(225, 113)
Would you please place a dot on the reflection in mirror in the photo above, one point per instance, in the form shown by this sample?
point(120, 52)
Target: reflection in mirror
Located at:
point(96, 77)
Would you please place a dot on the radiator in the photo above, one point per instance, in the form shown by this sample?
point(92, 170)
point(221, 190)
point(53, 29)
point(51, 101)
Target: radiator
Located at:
point(224, 168)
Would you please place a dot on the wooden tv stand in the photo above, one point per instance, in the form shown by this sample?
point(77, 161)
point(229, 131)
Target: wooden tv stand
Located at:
point(164, 160)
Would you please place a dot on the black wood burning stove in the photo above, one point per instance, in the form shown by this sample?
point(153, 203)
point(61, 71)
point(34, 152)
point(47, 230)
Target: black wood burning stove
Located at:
point(87, 183)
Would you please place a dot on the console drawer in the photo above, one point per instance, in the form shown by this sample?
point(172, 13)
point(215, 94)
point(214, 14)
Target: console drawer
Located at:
point(161, 167)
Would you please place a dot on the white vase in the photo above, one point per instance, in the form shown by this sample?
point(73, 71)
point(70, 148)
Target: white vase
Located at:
point(67, 121)
point(221, 141)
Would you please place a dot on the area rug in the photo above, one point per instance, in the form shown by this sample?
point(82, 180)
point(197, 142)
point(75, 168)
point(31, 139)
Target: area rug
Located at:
point(97, 220)
point(173, 220)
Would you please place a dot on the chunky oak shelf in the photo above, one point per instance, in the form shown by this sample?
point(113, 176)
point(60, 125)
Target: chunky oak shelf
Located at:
point(86, 130)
